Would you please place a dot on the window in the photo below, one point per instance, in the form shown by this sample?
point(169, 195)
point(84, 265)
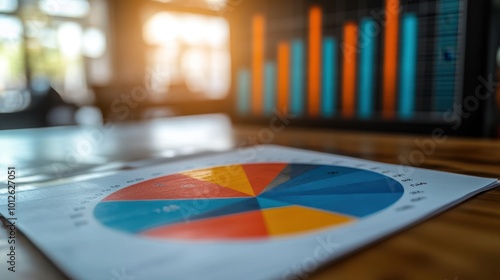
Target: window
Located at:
point(50, 43)
point(190, 50)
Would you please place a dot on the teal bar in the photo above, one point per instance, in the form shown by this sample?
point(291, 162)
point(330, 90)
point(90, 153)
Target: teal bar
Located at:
point(446, 50)
point(269, 88)
point(408, 66)
point(297, 78)
point(329, 83)
point(244, 92)
point(366, 74)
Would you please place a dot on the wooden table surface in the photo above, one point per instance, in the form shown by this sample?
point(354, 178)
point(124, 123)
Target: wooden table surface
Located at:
point(461, 243)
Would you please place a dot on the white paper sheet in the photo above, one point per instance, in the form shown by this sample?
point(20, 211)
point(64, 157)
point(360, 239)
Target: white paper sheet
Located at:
point(86, 239)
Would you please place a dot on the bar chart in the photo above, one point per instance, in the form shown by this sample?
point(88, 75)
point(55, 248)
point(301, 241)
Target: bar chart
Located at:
point(359, 59)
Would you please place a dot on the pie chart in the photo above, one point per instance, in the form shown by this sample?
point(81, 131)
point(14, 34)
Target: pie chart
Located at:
point(247, 201)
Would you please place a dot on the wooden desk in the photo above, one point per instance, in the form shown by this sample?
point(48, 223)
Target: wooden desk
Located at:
point(461, 243)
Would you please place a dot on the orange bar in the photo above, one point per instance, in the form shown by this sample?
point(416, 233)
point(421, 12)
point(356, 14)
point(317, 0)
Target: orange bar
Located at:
point(283, 76)
point(349, 69)
point(315, 22)
point(258, 32)
point(390, 59)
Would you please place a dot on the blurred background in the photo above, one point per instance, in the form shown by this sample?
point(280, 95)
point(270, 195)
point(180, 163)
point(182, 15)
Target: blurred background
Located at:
point(386, 65)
